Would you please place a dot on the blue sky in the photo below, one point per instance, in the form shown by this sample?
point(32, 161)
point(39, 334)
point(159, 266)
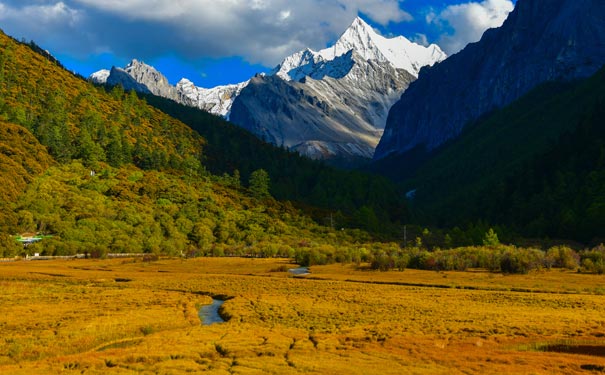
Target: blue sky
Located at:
point(213, 42)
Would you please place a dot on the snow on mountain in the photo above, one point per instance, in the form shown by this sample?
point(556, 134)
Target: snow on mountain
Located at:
point(144, 78)
point(330, 104)
point(100, 77)
point(217, 100)
point(361, 38)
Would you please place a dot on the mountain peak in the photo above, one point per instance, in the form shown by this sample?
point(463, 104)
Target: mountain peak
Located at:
point(367, 43)
point(360, 23)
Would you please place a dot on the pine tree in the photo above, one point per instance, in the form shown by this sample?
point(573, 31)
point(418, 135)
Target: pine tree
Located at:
point(491, 238)
point(259, 183)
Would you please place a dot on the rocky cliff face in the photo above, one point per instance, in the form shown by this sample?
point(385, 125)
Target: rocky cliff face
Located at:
point(153, 80)
point(324, 118)
point(118, 76)
point(541, 41)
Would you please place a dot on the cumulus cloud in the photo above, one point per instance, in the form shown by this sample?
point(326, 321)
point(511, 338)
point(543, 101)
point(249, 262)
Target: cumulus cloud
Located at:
point(261, 31)
point(39, 17)
point(467, 22)
point(43, 21)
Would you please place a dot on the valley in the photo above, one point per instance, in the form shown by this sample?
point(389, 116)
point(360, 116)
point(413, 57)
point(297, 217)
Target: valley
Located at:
point(134, 315)
point(369, 205)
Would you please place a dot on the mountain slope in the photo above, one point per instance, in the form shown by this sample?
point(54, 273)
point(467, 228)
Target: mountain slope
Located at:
point(540, 41)
point(308, 183)
point(535, 166)
point(22, 157)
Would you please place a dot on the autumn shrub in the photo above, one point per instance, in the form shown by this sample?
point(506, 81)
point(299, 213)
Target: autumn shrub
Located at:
point(420, 259)
point(561, 257)
point(383, 262)
point(516, 260)
point(9, 247)
point(593, 260)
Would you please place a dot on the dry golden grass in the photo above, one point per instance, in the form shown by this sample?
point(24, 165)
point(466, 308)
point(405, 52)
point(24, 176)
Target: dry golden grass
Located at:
point(128, 316)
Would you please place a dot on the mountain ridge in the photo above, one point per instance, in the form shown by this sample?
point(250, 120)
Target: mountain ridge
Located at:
point(559, 40)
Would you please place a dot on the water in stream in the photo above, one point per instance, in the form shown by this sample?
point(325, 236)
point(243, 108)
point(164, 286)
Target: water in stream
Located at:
point(209, 313)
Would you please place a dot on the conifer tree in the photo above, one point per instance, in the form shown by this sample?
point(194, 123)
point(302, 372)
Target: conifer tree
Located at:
point(259, 183)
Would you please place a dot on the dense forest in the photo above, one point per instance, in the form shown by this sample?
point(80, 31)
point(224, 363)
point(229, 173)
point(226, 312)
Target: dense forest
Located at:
point(535, 167)
point(354, 198)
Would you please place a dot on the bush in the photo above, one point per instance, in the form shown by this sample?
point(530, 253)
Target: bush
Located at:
point(562, 257)
point(9, 247)
point(521, 260)
point(594, 260)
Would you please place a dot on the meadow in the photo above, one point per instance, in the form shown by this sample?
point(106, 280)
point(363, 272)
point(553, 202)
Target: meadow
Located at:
point(124, 316)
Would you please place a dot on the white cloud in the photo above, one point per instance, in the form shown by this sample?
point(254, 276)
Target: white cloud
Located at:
point(467, 22)
point(261, 31)
point(44, 20)
point(42, 15)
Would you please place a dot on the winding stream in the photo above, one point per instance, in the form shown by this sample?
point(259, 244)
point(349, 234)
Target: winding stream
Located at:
point(209, 313)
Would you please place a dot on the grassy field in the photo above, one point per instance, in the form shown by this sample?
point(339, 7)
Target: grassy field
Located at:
point(126, 316)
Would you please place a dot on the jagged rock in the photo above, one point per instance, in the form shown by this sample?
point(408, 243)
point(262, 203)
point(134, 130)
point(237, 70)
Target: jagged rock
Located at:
point(326, 118)
point(144, 78)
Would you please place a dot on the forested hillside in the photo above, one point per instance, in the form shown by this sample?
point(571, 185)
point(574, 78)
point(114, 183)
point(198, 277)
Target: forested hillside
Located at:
point(365, 200)
point(105, 172)
point(536, 166)
point(76, 120)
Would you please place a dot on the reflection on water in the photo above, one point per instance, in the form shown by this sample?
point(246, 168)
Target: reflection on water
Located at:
point(301, 271)
point(209, 313)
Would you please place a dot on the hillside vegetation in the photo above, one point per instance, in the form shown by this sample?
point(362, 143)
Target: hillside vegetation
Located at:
point(75, 120)
point(105, 172)
point(311, 183)
point(535, 167)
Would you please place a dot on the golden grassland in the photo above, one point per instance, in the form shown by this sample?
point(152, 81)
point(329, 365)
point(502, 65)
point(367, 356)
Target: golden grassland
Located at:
point(126, 316)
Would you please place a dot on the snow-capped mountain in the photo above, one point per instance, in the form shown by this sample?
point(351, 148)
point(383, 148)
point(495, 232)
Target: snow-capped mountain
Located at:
point(100, 77)
point(328, 118)
point(361, 38)
point(144, 78)
point(333, 104)
point(330, 104)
